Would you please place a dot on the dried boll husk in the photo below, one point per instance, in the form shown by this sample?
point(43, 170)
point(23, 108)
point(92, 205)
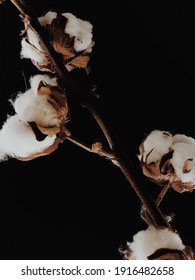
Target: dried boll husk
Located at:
point(173, 254)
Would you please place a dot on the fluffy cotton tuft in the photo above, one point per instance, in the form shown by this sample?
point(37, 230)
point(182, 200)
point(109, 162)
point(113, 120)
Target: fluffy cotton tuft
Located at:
point(47, 18)
point(182, 138)
point(82, 30)
point(156, 145)
point(35, 80)
point(32, 107)
point(18, 140)
point(183, 161)
point(146, 242)
point(28, 51)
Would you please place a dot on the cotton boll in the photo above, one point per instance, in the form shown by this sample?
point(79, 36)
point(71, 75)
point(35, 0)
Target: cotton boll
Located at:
point(17, 139)
point(156, 144)
point(71, 38)
point(32, 107)
point(169, 160)
point(146, 242)
point(81, 30)
point(39, 123)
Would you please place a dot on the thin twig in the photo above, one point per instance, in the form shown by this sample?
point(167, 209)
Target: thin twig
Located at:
point(96, 148)
point(162, 194)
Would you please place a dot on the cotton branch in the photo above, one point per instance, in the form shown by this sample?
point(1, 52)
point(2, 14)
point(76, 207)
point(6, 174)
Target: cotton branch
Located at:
point(85, 99)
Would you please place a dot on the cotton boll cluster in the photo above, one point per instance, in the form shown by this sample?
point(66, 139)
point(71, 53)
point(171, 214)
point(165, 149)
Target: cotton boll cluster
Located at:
point(169, 159)
point(39, 123)
point(157, 243)
point(71, 37)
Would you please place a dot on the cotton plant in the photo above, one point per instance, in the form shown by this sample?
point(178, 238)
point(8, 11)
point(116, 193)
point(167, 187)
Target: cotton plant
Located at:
point(157, 243)
point(39, 123)
point(169, 159)
point(70, 36)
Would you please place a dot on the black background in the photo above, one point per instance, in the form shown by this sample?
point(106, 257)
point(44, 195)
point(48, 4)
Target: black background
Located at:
point(77, 205)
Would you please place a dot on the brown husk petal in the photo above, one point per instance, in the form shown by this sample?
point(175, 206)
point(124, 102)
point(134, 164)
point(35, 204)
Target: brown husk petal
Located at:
point(64, 45)
point(45, 152)
point(58, 100)
point(173, 254)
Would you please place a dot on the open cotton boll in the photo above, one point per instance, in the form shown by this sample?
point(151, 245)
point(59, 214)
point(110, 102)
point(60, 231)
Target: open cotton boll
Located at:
point(33, 107)
point(156, 144)
point(146, 242)
point(75, 27)
point(81, 30)
point(169, 160)
point(18, 140)
point(183, 161)
point(71, 38)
